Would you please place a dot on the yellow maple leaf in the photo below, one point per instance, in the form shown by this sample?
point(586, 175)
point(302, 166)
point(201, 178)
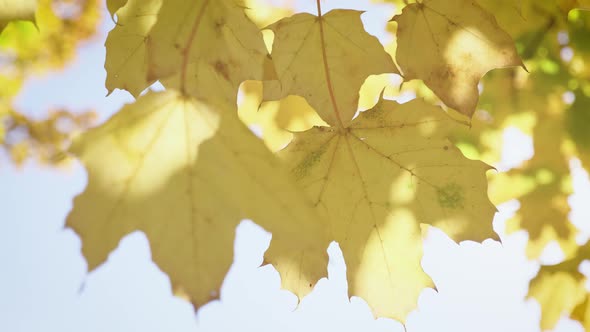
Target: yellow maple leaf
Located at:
point(205, 48)
point(560, 289)
point(377, 181)
point(11, 10)
point(450, 45)
point(234, 50)
point(126, 61)
point(185, 174)
point(325, 59)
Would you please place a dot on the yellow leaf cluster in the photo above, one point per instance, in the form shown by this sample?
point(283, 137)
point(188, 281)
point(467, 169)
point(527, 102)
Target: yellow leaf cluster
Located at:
point(381, 176)
point(540, 104)
point(404, 171)
point(184, 167)
point(545, 35)
point(189, 170)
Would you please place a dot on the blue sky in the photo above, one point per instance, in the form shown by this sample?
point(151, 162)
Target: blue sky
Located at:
point(44, 285)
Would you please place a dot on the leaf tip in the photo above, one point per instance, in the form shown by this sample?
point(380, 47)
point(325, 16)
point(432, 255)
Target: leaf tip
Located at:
point(523, 66)
point(394, 18)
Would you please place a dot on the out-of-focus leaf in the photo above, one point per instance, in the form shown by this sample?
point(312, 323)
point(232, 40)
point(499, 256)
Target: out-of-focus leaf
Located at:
point(11, 10)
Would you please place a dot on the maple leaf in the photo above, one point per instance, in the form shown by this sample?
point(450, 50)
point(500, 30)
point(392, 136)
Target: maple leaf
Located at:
point(346, 55)
point(11, 10)
point(377, 181)
point(234, 50)
point(206, 48)
point(450, 45)
point(560, 289)
point(185, 174)
point(126, 61)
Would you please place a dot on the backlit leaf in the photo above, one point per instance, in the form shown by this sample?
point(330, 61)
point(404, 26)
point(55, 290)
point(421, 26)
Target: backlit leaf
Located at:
point(378, 181)
point(205, 48)
point(185, 173)
point(210, 51)
point(325, 60)
point(450, 45)
point(126, 59)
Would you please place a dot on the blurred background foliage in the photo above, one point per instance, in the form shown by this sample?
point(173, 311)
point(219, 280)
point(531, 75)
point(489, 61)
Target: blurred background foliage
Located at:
point(45, 43)
point(550, 103)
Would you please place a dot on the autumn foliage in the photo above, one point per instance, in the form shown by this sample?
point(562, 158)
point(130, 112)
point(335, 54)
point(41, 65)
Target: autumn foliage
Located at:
point(337, 158)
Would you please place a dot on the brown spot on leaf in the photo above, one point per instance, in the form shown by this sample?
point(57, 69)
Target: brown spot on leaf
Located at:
point(221, 69)
point(219, 25)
